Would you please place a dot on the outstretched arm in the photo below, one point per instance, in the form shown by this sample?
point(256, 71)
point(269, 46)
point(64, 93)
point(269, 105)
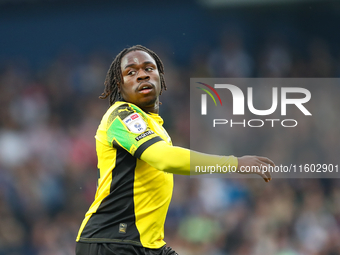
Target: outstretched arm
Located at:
point(177, 160)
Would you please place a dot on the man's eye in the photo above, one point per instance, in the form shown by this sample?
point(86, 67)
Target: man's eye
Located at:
point(149, 69)
point(131, 73)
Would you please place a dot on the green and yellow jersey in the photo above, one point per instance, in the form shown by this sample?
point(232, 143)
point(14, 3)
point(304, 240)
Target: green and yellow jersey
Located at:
point(132, 197)
point(136, 161)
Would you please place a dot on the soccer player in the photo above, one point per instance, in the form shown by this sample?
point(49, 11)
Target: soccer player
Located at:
point(136, 160)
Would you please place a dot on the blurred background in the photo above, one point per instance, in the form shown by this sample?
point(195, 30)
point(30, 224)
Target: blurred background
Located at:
point(54, 55)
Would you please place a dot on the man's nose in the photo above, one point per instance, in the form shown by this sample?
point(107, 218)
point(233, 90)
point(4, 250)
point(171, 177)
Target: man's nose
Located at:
point(142, 75)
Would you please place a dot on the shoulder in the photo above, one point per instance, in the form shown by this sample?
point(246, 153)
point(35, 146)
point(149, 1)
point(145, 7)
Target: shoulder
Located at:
point(119, 109)
point(123, 111)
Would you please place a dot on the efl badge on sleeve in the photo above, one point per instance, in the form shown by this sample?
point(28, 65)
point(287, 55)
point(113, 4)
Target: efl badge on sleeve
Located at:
point(135, 123)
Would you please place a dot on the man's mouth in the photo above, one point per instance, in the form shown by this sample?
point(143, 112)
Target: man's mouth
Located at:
point(145, 88)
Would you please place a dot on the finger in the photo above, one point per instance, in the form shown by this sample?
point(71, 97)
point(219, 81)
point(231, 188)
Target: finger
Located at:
point(265, 171)
point(259, 167)
point(265, 178)
point(269, 176)
point(267, 161)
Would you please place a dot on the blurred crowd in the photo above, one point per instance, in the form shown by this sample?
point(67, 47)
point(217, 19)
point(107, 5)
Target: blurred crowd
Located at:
point(48, 171)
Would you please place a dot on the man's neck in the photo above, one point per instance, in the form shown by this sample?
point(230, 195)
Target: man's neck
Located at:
point(152, 109)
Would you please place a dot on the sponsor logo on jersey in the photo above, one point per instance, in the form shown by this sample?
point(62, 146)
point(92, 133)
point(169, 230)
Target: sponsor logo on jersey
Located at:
point(145, 134)
point(122, 228)
point(135, 123)
point(134, 116)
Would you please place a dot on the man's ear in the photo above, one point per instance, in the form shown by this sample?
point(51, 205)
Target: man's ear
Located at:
point(118, 90)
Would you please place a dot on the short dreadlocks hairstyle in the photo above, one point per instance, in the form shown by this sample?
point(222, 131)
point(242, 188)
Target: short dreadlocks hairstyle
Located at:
point(114, 75)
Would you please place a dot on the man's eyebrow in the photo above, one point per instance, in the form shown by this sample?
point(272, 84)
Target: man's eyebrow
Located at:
point(144, 63)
